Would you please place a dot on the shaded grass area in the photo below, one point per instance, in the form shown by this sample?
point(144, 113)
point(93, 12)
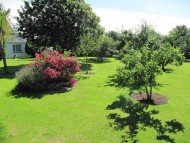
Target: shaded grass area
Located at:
point(138, 119)
point(87, 64)
point(86, 113)
point(94, 60)
point(30, 95)
point(83, 67)
point(11, 69)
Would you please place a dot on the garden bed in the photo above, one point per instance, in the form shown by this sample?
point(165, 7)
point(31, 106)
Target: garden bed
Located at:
point(156, 98)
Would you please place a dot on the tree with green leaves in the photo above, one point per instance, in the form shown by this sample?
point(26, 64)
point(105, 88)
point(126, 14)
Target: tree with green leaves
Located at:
point(144, 58)
point(116, 36)
point(167, 55)
point(57, 23)
point(179, 37)
point(106, 48)
point(31, 50)
point(88, 44)
point(140, 69)
point(145, 35)
point(5, 31)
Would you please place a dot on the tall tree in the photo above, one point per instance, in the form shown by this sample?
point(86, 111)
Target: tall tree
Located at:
point(4, 33)
point(179, 38)
point(56, 23)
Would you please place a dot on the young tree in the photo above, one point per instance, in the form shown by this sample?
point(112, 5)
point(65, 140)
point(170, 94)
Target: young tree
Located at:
point(143, 58)
point(4, 33)
point(167, 55)
point(61, 23)
point(88, 43)
point(179, 38)
point(104, 49)
point(140, 68)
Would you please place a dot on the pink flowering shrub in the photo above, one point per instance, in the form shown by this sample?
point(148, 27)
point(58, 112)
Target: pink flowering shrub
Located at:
point(49, 71)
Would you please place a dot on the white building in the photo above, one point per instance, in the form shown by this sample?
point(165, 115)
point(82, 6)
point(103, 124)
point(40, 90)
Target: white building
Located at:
point(15, 47)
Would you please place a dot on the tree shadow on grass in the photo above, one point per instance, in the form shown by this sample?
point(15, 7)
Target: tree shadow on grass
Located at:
point(84, 66)
point(12, 70)
point(187, 60)
point(168, 70)
point(82, 76)
point(137, 118)
point(113, 81)
point(95, 61)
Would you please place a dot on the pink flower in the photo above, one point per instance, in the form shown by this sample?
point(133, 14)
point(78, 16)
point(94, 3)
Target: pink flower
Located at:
point(55, 63)
point(48, 58)
point(36, 55)
point(72, 82)
point(53, 67)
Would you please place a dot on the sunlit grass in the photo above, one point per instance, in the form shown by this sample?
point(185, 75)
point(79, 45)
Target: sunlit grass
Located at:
point(81, 115)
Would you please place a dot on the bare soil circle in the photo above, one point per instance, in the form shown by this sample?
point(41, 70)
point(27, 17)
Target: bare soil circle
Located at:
point(156, 98)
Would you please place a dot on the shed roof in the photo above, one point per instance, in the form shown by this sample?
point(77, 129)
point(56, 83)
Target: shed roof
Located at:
point(16, 39)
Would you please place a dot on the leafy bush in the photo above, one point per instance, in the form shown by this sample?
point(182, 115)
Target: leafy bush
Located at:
point(49, 71)
point(30, 49)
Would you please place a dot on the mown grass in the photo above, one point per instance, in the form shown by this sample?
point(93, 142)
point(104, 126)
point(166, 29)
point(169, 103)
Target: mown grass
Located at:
point(95, 111)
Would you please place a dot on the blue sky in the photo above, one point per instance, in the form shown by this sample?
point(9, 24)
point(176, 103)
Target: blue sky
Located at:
point(162, 14)
point(114, 14)
point(175, 8)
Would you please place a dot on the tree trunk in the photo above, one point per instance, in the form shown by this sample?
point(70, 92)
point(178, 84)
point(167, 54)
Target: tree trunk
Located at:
point(147, 93)
point(2, 45)
point(150, 92)
point(4, 58)
point(163, 68)
point(5, 63)
point(86, 63)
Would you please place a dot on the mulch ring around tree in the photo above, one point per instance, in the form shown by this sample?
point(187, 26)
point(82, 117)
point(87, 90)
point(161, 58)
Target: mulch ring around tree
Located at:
point(156, 99)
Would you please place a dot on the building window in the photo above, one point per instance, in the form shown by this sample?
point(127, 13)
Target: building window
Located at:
point(17, 48)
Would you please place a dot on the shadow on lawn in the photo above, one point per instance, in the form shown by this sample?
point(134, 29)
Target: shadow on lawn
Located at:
point(31, 95)
point(11, 69)
point(112, 81)
point(169, 70)
point(138, 118)
point(95, 61)
point(84, 66)
point(37, 94)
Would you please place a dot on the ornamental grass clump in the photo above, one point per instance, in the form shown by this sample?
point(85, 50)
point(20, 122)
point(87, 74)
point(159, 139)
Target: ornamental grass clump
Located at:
point(49, 72)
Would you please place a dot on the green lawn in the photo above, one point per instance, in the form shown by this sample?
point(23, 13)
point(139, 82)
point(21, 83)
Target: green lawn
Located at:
point(95, 111)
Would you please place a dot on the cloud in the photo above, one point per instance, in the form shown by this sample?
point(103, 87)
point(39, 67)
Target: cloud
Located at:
point(113, 19)
point(14, 5)
point(174, 8)
point(163, 15)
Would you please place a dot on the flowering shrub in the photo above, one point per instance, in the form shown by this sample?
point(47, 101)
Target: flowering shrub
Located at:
point(49, 71)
